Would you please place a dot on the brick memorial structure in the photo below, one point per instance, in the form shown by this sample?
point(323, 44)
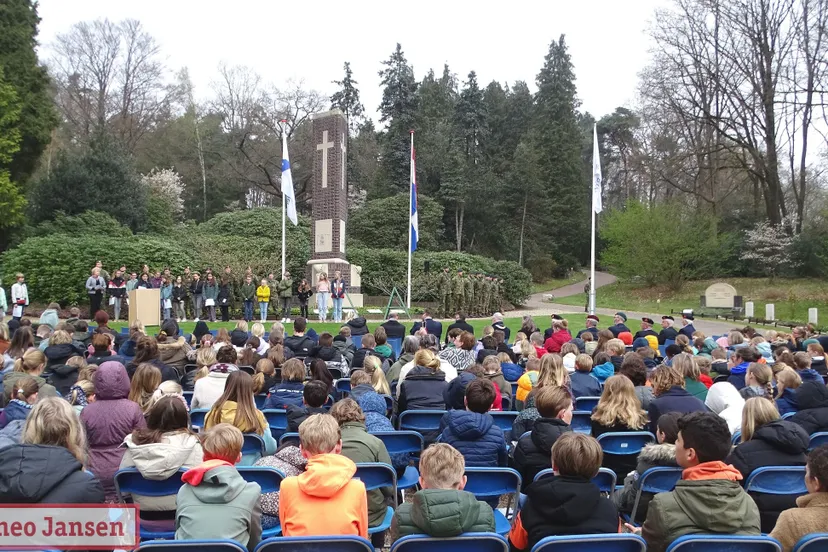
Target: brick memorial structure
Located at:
point(330, 204)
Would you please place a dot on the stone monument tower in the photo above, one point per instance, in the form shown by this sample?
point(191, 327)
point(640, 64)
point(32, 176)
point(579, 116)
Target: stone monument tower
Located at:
point(330, 203)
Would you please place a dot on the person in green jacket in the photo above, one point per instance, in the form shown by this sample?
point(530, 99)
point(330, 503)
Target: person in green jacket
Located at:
point(211, 291)
point(285, 289)
point(686, 364)
point(360, 446)
point(248, 296)
point(708, 498)
point(442, 508)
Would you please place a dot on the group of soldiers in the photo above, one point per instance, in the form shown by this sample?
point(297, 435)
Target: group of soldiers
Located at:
point(473, 294)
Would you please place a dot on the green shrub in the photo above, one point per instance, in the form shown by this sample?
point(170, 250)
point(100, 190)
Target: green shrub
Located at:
point(542, 268)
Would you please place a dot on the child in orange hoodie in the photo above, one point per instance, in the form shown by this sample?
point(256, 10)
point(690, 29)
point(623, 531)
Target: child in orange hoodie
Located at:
point(324, 500)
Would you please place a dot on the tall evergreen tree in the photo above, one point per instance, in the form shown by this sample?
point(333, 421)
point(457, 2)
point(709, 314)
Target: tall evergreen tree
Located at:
point(347, 99)
point(398, 108)
point(559, 143)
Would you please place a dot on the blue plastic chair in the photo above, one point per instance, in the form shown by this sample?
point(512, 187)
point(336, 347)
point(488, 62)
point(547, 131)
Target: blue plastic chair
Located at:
point(389, 404)
point(124, 330)
point(467, 542)
point(505, 419)
point(815, 542)
point(668, 342)
point(625, 442)
point(206, 545)
point(288, 438)
point(130, 481)
point(316, 544)
point(662, 351)
point(357, 341)
point(249, 369)
point(605, 480)
point(587, 404)
point(403, 442)
point(396, 345)
point(253, 447)
point(269, 479)
point(514, 385)
point(737, 437)
point(188, 396)
point(506, 403)
point(197, 417)
point(724, 543)
point(277, 420)
point(612, 542)
point(422, 421)
point(777, 480)
point(818, 439)
point(581, 422)
point(376, 475)
point(491, 483)
point(260, 400)
point(343, 386)
point(655, 480)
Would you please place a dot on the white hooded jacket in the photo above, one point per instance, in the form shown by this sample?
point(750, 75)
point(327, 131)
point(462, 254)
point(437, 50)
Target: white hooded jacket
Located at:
point(724, 399)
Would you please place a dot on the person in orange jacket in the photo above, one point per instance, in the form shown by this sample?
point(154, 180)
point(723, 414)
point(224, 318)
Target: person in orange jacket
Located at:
point(325, 499)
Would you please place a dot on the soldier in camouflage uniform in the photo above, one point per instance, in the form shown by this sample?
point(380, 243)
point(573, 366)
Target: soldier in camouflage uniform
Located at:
point(498, 295)
point(469, 298)
point(478, 295)
point(457, 292)
point(444, 285)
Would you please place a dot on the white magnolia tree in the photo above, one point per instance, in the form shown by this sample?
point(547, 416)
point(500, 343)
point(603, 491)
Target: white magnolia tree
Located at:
point(770, 246)
point(167, 185)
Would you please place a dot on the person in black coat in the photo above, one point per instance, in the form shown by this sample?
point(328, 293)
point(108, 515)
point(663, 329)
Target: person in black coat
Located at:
point(812, 398)
point(47, 468)
point(367, 348)
point(670, 395)
point(432, 326)
point(532, 454)
point(498, 325)
point(299, 343)
point(591, 327)
point(423, 386)
point(646, 329)
point(667, 331)
point(568, 503)
point(460, 323)
point(314, 396)
point(358, 325)
point(620, 325)
point(768, 441)
point(393, 327)
point(687, 329)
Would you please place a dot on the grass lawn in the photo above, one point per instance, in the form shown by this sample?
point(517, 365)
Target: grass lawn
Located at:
point(555, 283)
point(792, 297)
point(577, 322)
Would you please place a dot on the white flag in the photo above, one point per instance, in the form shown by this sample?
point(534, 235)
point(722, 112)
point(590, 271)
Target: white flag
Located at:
point(287, 183)
point(596, 173)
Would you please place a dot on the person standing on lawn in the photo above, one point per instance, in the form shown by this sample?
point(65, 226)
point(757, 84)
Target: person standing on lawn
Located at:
point(248, 295)
point(337, 295)
point(286, 295)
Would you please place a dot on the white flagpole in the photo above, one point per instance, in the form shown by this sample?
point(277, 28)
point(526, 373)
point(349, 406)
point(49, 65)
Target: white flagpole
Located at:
point(592, 266)
point(284, 214)
point(596, 207)
point(410, 206)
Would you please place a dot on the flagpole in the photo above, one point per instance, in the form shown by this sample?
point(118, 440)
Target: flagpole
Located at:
point(410, 206)
point(592, 263)
point(596, 207)
point(284, 214)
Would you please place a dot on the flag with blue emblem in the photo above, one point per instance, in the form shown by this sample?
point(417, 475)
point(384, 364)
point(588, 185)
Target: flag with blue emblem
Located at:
point(413, 202)
point(287, 183)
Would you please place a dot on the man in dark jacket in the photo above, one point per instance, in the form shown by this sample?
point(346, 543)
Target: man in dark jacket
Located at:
point(708, 498)
point(620, 324)
point(460, 323)
point(358, 325)
point(646, 328)
point(393, 327)
point(812, 398)
point(473, 431)
point(687, 326)
point(314, 396)
point(568, 503)
point(432, 326)
point(554, 405)
point(667, 330)
point(299, 343)
point(591, 327)
point(778, 443)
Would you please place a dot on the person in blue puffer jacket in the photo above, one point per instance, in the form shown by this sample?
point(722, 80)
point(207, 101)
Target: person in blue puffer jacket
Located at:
point(511, 371)
point(290, 390)
point(787, 382)
point(473, 431)
point(604, 368)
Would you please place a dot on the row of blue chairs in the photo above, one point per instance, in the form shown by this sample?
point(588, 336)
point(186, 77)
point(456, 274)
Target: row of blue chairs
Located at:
point(488, 542)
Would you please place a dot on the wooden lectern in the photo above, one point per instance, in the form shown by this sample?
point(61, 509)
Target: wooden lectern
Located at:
point(145, 305)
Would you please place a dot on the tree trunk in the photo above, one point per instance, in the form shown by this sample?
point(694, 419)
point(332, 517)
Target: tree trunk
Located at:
point(459, 213)
point(523, 227)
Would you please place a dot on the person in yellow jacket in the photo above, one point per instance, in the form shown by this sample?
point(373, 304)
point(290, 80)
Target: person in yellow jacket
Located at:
point(263, 296)
point(527, 382)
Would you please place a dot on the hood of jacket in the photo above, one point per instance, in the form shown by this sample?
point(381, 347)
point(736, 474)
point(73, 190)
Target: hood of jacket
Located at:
point(455, 393)
point(358, 322)
point(326, 475)
point(170, 327)
point(423, 373)
point(111, 382)
point(169, 346)
point(444, 513)
point(784, 436)
point(658, 453)
point(562, 498)
point(723, 395)
point(327, 353)
point(765, 349)
point(812, 395)
point(604, 371)
point(161, 460)
point(238, 338)
point(218, 485)
point(30, 472)
point(546, 431)
point(63, 369)
point(200, 330)
point(469, 426)
point(60, 352)
point(714, 505)
point(372, 402)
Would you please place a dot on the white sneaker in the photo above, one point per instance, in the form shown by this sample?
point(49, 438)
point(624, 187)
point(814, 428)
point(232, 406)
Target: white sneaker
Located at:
point(196, 320)
point(287, 320)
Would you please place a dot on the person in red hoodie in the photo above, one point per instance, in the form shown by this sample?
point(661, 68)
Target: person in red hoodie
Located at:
point(560, 335)
point(325, 499)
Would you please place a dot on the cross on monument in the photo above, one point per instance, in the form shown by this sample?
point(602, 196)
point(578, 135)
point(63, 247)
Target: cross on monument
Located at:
point(343, 162)
point(324, 147)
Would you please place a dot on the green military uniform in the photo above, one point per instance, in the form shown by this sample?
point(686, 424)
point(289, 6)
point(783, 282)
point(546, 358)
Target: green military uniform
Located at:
point(468, 287)
point(501, 290)
point(487, 296)
point(478, 295)
point(457, 291)
point(444, 285)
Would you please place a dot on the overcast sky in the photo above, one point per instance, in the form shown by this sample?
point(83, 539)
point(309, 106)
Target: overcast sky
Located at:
point(311, 39)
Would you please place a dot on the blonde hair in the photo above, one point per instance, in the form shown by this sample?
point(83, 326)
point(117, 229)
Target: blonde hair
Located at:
point(615, 346)
point(145, 381)
point(787, 378)
point(205, 357)
point(664, 377)
point(764, 377)
point(60, 337)
point(24, 388)
point(136, 327)
point(264, 368)
point(277, 327)
point(491, 364)
point(165, 389)
point(619, 403)
point(442, 466)
point(568, 348)
point(427, 359)
point(241, 325)
point(704, 364)
point(583, 362)
point(52, 421)
point(293, 370)
point(488, 330)
point(686, 364)
point(735, 338)
point(552, 372)
point(86, 386)
point(31, 361)
point(222, 442)
point(576, 454)
point(347, 410)
point(527, 350)
point(258, 330)
point(756, 413)
point(319, 434)
point(373, 368)
point(360, 377)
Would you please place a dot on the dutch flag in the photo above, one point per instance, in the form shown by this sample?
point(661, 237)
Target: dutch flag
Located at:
point(413, 201)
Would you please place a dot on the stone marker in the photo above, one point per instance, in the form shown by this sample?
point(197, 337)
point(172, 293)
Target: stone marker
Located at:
point(330, 205)
point(813, 316)
point(770, 312)
point(749, 309)
point(720, 295)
